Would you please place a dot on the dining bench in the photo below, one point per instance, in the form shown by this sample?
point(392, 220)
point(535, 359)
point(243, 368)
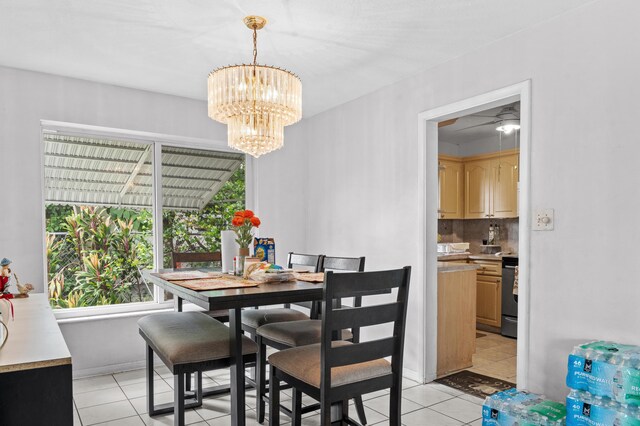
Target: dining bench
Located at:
point(187, 342)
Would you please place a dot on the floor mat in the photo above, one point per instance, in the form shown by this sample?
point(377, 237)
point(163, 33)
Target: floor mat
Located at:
point(475, 384)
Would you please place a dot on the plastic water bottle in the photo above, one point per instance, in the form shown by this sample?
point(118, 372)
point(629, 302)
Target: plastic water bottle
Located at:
point(618, 379)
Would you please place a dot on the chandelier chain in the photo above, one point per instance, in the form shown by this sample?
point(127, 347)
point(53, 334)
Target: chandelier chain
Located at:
point(255, 45)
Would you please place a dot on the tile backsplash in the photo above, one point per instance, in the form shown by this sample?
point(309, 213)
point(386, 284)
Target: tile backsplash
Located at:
point(473, 231)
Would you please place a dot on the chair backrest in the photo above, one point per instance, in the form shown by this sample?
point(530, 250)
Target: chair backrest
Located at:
point(313, 262)
point(192, 257)
point(350, 264)
point(343, 264)
point(358, 284)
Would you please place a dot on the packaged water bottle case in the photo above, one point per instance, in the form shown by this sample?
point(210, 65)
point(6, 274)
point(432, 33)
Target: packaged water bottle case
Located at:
point(606, 369)
point(519, 408)
point(604, 378)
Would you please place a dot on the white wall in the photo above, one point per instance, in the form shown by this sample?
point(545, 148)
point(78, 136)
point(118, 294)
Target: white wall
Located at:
point(362, 159)
point(281, 186)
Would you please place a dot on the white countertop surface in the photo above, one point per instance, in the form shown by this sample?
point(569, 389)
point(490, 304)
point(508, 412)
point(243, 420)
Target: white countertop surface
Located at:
point(35, 340)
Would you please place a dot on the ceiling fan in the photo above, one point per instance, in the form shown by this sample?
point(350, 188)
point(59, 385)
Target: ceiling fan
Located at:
point(507, 119)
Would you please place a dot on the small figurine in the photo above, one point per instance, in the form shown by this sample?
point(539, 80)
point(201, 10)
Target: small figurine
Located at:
point(23, 290)
point(5, 275)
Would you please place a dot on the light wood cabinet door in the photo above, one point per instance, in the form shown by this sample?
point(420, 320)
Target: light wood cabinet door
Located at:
point(477, 189)
point(489, 300)
point(451, 175)
point(456, 320)
point(504, 186)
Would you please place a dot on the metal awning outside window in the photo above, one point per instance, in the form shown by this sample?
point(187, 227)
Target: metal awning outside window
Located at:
point(118, 173)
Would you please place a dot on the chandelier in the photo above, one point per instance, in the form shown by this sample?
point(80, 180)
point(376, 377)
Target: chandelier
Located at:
point(255, 101)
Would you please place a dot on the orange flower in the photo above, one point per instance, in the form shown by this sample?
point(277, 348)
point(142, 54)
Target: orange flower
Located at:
point(240, 213)
point(255, 221)
point(237, 221)
point(248, 214)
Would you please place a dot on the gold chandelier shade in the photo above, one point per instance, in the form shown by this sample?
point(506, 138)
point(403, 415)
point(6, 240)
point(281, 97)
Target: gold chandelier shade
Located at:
point(256, 102)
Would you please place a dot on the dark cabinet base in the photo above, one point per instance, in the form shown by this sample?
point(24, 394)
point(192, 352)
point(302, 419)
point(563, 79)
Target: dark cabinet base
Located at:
point(37, 397)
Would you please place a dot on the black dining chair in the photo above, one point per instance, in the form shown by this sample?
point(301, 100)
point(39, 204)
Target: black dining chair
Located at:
point(252, 319)
point(299, 333)
point(334, 371)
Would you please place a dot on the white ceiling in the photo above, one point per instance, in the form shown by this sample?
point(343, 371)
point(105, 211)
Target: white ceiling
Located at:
point(459, 133)
point(340, 49)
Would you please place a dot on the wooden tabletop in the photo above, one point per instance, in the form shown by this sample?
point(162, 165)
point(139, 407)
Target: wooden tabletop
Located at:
point(263, 294)
point(35, 340)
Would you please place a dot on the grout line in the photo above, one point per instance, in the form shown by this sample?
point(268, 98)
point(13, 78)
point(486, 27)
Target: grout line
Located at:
point(75, 407)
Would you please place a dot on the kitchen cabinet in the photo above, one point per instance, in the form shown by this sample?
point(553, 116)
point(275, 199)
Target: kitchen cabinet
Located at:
point(477, 190)
point(504, 186)
point(489, 292)
point(491, 186)
point(451, 188)
point(456, 317)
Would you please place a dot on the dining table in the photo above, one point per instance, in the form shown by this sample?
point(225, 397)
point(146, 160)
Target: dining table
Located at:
point(235, 299)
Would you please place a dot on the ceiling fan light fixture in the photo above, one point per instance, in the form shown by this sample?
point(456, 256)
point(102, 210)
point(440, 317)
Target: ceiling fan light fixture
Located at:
point(254, 101)
point(508, 126)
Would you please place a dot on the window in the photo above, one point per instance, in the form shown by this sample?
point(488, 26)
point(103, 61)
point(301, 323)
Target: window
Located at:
point(201, 203)
point(99, 208)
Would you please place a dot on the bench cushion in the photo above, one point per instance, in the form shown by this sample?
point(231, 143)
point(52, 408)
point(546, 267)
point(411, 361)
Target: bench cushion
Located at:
point(296, 333)
point(255, 318)
point(303, 363)
point(189, 337)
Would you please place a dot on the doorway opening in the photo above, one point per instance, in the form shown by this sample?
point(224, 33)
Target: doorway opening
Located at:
point(475, 164)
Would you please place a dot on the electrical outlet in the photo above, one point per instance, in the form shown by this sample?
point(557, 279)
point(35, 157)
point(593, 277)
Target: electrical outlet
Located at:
point(543, 220)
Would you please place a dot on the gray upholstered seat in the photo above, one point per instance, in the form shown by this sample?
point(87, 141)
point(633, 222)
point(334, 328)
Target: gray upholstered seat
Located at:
point(296, 333)
point(189, 337)
point(304, 364)
point(255, 318)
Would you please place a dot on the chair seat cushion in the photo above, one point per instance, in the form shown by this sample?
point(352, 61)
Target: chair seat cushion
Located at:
point(297, 333)
point(303, 363)
point(189, 337)
point(255, 318)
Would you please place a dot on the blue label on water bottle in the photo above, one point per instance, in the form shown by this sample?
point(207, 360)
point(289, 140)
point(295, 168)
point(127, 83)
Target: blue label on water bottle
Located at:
point(595, 377)
point(494, 417)
point(580, 413)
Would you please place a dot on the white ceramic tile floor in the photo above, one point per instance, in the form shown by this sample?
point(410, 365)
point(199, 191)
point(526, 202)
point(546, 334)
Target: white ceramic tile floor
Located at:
point(120, 400)
point(495, 356)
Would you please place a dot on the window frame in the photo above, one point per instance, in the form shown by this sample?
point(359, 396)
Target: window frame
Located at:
point(157, 142)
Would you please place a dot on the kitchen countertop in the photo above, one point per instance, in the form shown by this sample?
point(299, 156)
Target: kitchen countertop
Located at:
point(456, 267)
point(449, 257)
point(472, 256)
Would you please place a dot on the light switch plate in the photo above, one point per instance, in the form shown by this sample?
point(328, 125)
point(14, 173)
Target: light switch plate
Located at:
point(543, 220)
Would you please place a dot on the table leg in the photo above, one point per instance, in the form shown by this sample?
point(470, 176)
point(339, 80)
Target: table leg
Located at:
point(237, 368)
point(177, 303)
